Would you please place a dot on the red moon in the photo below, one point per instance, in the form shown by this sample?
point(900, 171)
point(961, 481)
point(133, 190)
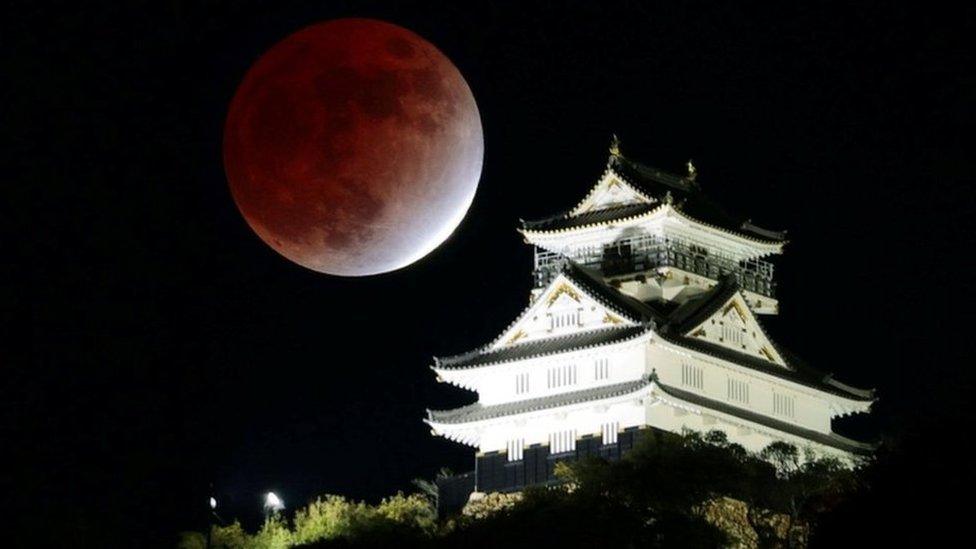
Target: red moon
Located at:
point(353, 147)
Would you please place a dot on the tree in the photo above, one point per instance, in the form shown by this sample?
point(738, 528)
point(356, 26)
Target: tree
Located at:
point(798, 484)
point(430, 489)
point(669, 490)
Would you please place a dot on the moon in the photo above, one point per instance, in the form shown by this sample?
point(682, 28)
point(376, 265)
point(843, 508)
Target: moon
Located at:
point(353, 147)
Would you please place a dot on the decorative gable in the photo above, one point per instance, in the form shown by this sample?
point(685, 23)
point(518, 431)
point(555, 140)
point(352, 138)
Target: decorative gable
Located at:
point(609, 192)
point(561, 308)
point(735, 327)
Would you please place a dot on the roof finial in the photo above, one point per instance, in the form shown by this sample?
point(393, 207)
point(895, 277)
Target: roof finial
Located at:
point(692, 172)
point(614, 145)
point(668, 199)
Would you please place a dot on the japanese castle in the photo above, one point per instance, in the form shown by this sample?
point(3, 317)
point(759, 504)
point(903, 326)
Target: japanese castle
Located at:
point(645, 313)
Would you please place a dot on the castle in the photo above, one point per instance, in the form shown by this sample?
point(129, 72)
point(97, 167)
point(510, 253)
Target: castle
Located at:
point(645, 313)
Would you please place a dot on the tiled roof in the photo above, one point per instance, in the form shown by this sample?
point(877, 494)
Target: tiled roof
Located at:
point(670, 327)
point(541, 347)
point(479, 412)
point(698, 308)
point(593, 284)
point(802, 375)
point(592, 217)
point(829, 439)
point(685, 192)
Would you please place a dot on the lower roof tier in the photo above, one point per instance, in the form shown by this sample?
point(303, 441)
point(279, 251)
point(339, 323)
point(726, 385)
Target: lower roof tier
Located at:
point(639, 403)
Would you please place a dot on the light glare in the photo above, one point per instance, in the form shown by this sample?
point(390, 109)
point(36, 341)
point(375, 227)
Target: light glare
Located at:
point(273, 502)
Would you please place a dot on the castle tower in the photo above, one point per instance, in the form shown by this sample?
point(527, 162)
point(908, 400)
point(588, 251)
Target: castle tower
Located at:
point(645, 314)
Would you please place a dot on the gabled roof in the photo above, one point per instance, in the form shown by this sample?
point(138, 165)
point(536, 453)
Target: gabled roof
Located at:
point(588, 282)
point(594, 285)
point(696, 310)
point(611, 190)
point(670, 326)
point(629, 308)
point(664, 187)
point(541, 347)
point(688, 194)
point(592, 217)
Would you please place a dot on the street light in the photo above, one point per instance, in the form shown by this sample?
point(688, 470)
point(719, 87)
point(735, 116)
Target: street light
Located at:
point(272, 504)
point(210, 520)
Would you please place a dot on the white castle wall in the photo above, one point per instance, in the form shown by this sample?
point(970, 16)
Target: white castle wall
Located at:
point(547, 376)
point(809, 410)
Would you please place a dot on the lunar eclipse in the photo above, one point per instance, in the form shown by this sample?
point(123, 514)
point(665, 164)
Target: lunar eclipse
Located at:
point(353, 147)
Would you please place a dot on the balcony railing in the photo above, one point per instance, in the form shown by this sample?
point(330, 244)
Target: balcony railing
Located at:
point(644, 253)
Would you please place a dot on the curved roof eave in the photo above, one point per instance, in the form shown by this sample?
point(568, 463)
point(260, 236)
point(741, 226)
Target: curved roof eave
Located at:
point(771, 246)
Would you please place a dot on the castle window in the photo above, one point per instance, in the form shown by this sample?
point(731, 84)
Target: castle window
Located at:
point(521, 384)
point(601, 368)
point(737, 390)
point(561, 376)
point(784, 405)
point(562, 441)
point(609, 432)
point(564, 319)
point(515, 448)
point(731, 334)
point(692, 376)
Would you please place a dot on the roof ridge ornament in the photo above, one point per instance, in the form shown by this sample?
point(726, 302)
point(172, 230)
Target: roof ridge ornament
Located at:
point(615, 146)
point(692, 171)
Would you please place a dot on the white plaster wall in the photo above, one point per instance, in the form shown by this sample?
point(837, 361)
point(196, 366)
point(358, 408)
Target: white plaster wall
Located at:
point(753, 438)
point(810, 410)
point(497, 384)
point(536, 428)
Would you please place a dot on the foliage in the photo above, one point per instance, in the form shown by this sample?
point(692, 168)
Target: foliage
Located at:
point(429, 488)
point(330, 519)
point(231, 536)
point(274, 534)
point(326, 518)
point(670, 490)
point(412, 511)
point(802, 487)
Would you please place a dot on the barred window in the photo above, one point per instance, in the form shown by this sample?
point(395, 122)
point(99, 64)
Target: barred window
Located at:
point(737, 390)
point(601, 368)
point(562, 320)
point(692, 376)
point(732, 334)
point(515, 448)
point(561, 376)
point(784, 405)
point(562, 441)
point(609, 432)
point(521, 384)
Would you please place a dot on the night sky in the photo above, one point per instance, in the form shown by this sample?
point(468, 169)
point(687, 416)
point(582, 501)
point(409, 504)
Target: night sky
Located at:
point(169, 348)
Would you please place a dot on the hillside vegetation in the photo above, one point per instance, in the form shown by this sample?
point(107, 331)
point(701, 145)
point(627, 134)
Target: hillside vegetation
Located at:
point(688, 490)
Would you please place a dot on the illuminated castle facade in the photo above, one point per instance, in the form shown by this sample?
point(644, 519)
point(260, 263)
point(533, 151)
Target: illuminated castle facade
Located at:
point(645, 314)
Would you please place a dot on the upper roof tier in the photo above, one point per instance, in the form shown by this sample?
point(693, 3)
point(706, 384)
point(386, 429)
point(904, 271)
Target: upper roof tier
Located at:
point(629, 189)
point(676, 325)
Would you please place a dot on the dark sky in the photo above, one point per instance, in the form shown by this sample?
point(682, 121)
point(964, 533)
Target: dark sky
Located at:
point(169, 348)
